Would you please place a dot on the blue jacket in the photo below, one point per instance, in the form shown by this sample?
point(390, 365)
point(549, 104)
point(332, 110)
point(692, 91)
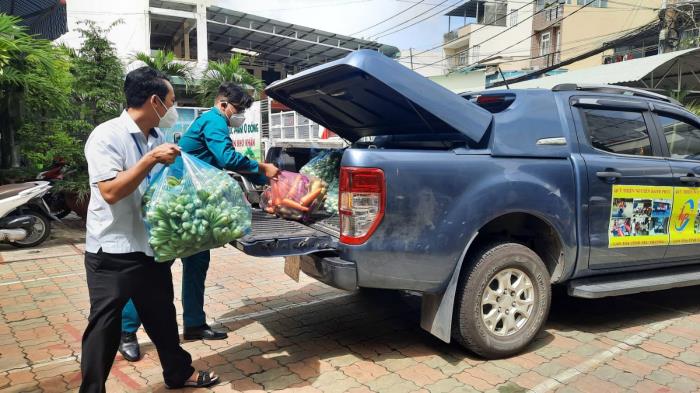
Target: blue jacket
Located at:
point(208, 139)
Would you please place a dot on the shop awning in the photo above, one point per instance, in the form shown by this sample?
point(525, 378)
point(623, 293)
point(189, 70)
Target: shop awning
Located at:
point(678, 70)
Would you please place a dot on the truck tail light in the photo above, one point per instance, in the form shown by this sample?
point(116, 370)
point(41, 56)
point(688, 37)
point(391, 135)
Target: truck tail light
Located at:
point(362, 197)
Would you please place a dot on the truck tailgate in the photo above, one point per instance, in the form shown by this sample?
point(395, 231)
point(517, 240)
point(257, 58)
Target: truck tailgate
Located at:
point(274, 237)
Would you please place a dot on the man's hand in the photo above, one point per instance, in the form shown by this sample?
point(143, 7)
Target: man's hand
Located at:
point(165, 153)
point(269, 170)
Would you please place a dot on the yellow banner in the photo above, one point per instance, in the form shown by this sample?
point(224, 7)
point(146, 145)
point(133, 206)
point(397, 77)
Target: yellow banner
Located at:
point(640, 216)
point(685, 224)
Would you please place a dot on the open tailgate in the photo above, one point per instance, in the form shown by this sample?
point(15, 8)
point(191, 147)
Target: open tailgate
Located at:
point(271, 236)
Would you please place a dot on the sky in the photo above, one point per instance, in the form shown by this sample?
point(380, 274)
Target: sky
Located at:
point(353, 17)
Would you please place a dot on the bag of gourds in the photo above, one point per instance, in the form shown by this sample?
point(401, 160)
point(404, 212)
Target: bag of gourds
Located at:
point(192, 206)
point(293, 196)
point(326, 166)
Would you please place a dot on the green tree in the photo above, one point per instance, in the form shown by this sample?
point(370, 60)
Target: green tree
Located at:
point(164, 61)
point(50, 127)
point(28, 66)
point(231, 71)
point(99, 75)
point(683, 96)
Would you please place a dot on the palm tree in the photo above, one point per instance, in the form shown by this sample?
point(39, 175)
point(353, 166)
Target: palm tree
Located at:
point(21, 56)
point(164, 61)
point(232, 71)
point(682, 96)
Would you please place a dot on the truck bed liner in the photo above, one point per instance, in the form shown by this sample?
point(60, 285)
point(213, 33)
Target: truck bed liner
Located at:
point(271, 236)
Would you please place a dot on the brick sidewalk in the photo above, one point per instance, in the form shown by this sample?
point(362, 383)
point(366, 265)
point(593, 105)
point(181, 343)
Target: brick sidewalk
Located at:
point(308, 337)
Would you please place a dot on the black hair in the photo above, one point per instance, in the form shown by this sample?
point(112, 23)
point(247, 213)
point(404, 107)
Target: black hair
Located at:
point(141, 83)
point(233, 93)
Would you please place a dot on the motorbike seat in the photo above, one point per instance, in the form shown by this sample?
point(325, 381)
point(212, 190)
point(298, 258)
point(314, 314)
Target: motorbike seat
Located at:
point(10, 190)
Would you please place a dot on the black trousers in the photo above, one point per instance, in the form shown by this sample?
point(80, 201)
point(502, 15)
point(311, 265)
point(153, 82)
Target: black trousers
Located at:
point(112, 280)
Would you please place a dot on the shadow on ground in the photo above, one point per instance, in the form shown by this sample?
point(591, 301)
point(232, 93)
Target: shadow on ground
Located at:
point(384, 325)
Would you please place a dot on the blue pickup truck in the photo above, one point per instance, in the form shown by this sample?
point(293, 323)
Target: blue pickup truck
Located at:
point(482, 202)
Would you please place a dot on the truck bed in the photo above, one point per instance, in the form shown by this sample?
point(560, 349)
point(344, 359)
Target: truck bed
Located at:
point(271, 236)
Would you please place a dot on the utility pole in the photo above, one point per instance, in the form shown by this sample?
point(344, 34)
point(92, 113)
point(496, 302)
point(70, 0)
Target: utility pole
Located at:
point(410, 52)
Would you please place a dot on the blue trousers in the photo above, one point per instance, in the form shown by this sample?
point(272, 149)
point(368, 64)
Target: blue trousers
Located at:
point(194, 273)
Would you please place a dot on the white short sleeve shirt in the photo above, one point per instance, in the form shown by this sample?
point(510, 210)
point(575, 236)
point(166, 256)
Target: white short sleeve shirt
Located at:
point(113, 147)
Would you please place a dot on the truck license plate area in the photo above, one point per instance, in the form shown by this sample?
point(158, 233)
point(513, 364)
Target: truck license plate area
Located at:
point(292, 267)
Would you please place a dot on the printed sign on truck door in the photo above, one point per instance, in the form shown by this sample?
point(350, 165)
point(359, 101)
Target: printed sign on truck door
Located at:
point(640, 216)
point(685, 225)
point(653, 216)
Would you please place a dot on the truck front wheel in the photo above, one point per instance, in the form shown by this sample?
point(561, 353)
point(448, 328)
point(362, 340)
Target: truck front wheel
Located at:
point(502, 301)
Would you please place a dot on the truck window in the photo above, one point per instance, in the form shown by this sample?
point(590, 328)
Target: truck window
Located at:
point(618, 132)
point(683, 139)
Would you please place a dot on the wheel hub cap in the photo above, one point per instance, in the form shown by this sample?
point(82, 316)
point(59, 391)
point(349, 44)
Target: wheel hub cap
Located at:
point(507, 302)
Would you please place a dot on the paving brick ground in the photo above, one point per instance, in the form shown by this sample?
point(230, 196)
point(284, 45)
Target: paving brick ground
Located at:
point(307, 337)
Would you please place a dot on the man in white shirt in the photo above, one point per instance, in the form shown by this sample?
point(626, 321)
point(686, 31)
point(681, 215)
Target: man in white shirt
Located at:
point(122, 154)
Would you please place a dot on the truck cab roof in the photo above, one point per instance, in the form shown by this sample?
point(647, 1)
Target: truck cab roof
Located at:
point(538, 122)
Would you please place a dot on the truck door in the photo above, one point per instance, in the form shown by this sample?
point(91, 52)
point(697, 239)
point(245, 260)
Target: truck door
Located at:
point(680, 138)
point(629, 182)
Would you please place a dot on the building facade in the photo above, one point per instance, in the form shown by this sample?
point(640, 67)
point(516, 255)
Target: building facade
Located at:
point(488, 29)
point(198, 31)
point(566, 29)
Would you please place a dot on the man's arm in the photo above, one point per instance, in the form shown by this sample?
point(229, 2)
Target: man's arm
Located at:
point(219, 143)
point(117, 188)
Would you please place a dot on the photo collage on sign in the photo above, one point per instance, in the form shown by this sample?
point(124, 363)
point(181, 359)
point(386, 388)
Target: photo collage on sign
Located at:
point(640, 217)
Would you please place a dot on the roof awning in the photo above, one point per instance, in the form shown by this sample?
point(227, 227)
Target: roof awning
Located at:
point(662, 72)
point(45, 18)
point(468, 9)
point(263, 39)
point(281, 42)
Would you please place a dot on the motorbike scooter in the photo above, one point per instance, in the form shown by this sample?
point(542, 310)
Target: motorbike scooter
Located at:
point(56, 200)
point(24, 216)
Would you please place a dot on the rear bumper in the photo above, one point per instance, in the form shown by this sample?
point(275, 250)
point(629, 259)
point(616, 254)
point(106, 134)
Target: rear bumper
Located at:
point(331, 270)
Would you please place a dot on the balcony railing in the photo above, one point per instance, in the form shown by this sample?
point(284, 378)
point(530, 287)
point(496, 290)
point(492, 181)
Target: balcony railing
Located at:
point(547, 60)
point(553, 14)
point(548, 17)
point(630, 54)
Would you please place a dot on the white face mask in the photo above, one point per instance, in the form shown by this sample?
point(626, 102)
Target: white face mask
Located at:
point(169, 119)
point(237, 120)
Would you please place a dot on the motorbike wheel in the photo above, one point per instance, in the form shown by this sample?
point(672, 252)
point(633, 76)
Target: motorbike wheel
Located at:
point(39, 232)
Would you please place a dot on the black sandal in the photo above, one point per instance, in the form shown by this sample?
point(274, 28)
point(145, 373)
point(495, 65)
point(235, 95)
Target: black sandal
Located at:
point(204, 380)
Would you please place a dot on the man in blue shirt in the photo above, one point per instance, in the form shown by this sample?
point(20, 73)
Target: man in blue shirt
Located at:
point(208, 139)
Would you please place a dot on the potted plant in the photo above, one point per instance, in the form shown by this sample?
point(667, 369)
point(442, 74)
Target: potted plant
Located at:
point(76, 192)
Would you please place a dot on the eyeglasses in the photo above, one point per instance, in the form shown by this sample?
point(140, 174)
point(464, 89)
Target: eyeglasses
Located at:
point(239, 109)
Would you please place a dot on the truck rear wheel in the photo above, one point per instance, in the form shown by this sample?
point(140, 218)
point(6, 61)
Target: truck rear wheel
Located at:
point(502, 301)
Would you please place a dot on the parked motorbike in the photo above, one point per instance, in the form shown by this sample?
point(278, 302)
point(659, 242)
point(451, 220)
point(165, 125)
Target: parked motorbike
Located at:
point(24, 215)
point(56, 200)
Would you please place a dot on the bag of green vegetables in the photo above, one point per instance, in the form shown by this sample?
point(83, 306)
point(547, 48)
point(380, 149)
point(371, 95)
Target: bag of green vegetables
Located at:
point(191, 206)
point(326, 166)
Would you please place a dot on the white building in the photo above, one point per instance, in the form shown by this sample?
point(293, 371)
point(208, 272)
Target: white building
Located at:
point(487, 29)
point(427, 63)
point(198, 30)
